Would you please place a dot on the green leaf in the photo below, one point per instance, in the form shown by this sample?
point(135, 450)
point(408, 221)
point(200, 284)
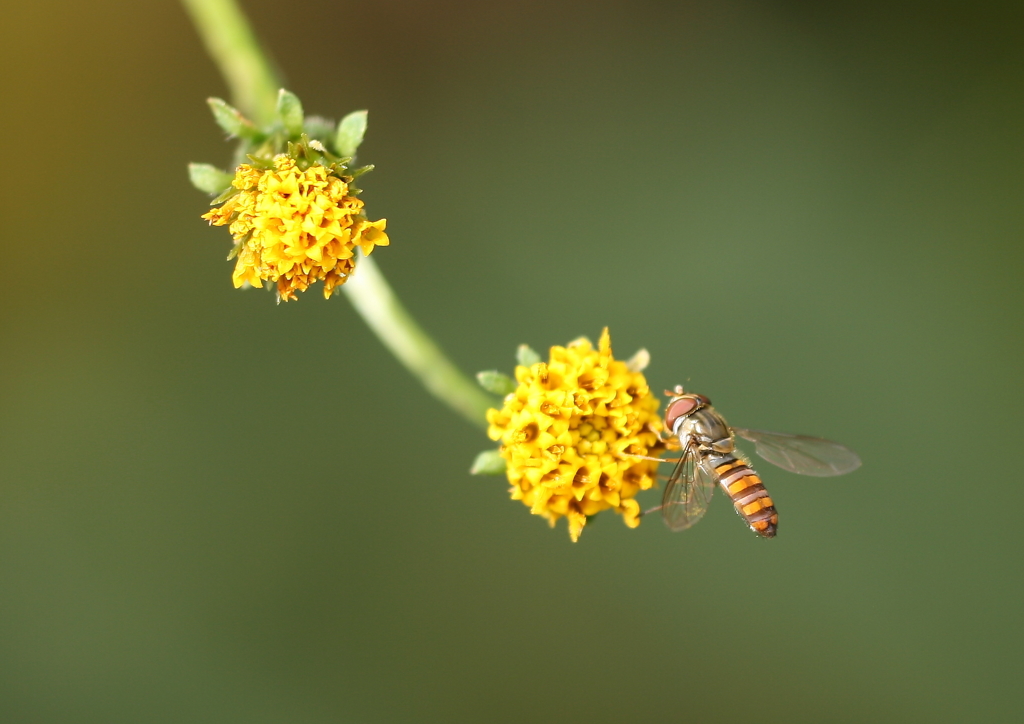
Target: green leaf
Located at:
point(209, 179)
point(233, 122)
point(496, 382)
point(289, 109)
point(350, 134)
point(489, 462)
point(526, 357)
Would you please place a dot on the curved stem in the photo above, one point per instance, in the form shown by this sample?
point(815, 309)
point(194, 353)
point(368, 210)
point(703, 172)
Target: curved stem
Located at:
point(229, 38)
point(375, 301)
point(254, 86)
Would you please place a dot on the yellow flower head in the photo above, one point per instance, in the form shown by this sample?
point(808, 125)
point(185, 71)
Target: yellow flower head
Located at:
point(567, 430)
point(294, 227)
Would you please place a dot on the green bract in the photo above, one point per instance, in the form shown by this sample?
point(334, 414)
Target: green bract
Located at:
point(489, 462)
point(350, 134)
point(496, 382)
point(233, 122)
point(525, 356)
point(289, 110)
point(209, 179)
point(311, 139)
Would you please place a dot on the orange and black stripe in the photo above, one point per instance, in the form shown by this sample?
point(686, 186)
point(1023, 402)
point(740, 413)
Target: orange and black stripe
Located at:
point(748, 494)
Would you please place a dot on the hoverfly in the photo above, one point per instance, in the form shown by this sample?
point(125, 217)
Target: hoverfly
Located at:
point(709, 458)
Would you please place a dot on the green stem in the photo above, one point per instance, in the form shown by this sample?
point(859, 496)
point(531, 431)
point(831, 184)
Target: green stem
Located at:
point(229, 38)
point(254, 87)
point(375, 301)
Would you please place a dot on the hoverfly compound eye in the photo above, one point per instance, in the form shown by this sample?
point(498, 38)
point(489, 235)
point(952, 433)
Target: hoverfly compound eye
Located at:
point(681, 407)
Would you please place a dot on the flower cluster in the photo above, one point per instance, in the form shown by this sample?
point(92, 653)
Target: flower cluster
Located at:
point(570, 430)
point(295, 226)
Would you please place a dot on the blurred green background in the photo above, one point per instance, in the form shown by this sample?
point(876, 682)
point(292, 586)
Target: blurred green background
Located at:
point(213, 509)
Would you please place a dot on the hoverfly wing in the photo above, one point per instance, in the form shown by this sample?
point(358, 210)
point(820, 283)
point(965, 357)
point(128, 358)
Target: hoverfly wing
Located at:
point(688, 491)
point(802, 454)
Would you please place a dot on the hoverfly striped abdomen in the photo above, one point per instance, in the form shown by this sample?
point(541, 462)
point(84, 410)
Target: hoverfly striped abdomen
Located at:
point(748, 494)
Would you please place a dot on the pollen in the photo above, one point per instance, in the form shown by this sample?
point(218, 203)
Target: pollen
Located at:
point(571, 431)
point(293, 227)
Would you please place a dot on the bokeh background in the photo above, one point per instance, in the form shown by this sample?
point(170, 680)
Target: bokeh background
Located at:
point(213, 509)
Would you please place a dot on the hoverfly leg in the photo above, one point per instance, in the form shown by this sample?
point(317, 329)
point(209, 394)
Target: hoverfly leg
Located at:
point(648, 457)
point(655, 509)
